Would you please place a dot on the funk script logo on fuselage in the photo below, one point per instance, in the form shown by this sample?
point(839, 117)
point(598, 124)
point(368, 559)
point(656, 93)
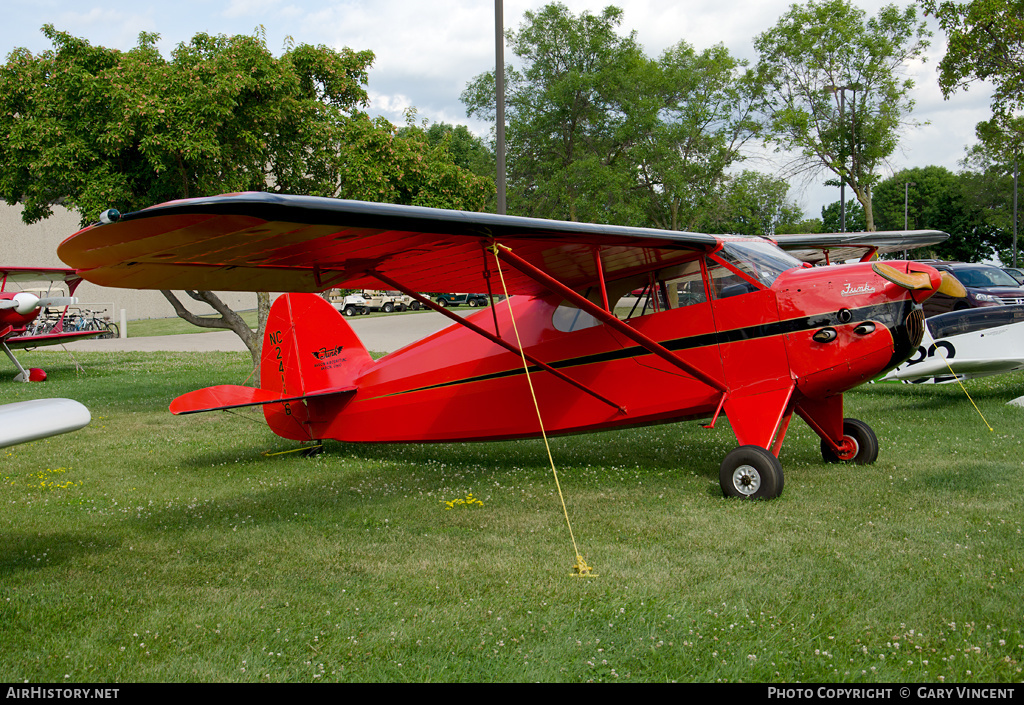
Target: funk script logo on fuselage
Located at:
point(852, 290)
point(328, 358)
point(325, 353)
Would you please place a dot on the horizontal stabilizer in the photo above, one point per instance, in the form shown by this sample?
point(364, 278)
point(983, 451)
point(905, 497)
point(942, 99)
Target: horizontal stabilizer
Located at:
point(230, 396)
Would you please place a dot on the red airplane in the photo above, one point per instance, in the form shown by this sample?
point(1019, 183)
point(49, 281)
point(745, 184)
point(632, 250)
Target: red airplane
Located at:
point(31, 420)
point(727, 325)
point(20, 309)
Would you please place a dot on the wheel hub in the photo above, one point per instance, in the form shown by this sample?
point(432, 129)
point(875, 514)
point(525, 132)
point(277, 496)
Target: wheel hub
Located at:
point(746, 479)
point(848, 449)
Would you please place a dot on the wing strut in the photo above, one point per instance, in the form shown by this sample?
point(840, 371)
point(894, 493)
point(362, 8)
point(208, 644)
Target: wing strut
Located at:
point(606, 317)
point(493, 338)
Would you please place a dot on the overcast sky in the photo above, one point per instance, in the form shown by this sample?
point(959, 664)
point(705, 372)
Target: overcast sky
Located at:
point(427, 52)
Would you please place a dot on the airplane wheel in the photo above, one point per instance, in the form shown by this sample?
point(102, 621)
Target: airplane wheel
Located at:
point(751, 472)
point(865, 444)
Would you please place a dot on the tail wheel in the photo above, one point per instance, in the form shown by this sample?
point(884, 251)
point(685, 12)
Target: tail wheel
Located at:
point(751, 472)
point(859, 441)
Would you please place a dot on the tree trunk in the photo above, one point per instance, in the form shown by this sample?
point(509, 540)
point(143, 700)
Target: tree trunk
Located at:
point(228, 319)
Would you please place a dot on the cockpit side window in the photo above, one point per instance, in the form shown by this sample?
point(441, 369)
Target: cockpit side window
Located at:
point(670, 288)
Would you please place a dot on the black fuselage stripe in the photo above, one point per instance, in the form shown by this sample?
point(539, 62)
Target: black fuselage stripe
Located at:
point(888, 311)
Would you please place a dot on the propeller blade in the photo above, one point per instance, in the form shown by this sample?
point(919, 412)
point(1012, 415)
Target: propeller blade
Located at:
point(950, 286)
point(7, 303)
point(58, 301)
point(913, 281)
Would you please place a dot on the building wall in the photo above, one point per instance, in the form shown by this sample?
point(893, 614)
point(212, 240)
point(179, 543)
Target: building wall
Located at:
point(35, 245)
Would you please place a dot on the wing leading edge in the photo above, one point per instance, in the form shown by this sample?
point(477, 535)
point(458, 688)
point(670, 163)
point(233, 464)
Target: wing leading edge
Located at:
point(269, 242)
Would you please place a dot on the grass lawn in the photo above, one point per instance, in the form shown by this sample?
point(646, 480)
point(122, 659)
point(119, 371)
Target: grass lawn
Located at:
point(147, 547)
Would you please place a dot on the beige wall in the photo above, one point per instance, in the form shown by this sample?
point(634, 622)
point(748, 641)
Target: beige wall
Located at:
point(36, 246)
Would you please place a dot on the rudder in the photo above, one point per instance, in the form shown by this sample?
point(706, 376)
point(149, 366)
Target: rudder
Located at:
point(307, 347)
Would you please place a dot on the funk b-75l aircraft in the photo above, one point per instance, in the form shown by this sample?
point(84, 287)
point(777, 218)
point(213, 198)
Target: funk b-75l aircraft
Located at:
point(726, 324)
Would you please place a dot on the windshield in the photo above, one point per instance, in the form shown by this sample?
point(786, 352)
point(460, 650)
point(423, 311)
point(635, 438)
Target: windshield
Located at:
point(764, 261)
point(984, 277)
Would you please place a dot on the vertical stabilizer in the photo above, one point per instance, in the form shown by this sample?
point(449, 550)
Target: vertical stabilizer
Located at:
point(307, 347)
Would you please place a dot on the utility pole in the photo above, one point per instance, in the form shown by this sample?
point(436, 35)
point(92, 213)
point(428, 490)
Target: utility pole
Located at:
point(499, 93)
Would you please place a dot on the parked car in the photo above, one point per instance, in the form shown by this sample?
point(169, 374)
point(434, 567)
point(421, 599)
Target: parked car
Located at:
point(388, 301)
point(347, 304)
point(458, 299)
point(986, 284)
point(1015, 272)
point(351, 305)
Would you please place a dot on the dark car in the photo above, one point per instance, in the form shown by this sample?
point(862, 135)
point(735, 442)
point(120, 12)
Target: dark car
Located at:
point(986, 284)
point(1016, 273)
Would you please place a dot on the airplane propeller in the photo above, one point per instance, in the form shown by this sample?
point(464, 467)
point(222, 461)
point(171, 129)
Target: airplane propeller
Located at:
point(24, 303)
point(916, 281)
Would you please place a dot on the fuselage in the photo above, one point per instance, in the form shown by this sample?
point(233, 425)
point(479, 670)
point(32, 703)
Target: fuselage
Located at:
point(815, 332)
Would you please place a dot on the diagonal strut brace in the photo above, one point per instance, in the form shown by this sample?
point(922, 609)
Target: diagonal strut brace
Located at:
point(493, 338)
point(606, 317)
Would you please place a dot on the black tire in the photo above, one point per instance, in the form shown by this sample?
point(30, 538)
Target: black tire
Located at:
point(751, 472)
point(415, 305)
point(473, 303)
point(442, 303)
point(350, 310)
point(388, 307)
point(862, 435)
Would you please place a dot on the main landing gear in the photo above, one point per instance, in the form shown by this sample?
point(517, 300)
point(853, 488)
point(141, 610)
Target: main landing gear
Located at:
point(752, 472)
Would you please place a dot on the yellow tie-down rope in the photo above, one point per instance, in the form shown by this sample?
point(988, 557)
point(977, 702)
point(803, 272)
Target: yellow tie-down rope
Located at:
point(957, 378)
point(580, 568)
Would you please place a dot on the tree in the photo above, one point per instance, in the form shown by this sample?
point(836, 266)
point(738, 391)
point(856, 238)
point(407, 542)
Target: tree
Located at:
point(700, 119)
point(599, 132)
point(93, 128)
point(833, 87)
point(832, 218)
point(986, 43)
point(936, 198)
point(569, 112)
point(752, 203)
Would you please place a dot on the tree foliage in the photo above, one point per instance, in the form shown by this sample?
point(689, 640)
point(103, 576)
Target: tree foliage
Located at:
point(93, 128)
point(599, 132)
point(986, 43)
point(963, 205)
point(833, 87)
point(752, 203)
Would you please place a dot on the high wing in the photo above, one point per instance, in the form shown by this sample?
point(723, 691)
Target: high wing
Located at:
point(38, 274)
point(839, 247)
point(269, 242)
